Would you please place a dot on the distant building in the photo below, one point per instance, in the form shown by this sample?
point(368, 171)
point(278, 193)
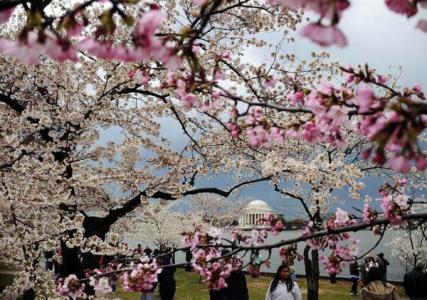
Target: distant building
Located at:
point(255, 210)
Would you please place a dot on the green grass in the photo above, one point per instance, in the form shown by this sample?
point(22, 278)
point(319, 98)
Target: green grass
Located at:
point(5, 280)
point(189, 288)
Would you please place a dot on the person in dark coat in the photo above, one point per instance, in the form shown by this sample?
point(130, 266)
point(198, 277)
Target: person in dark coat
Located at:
point(383, 263)
point(188, 258)
point(236, 289)
point(48, 255)
point(368, 261)
point(222, 294)
point(237, 285)
point(354, 276)
point(375, 288)
point(166, 280)
point(148, 251)
point(415, 283)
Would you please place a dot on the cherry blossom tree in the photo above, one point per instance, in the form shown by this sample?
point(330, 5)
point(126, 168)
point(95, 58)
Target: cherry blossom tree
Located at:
point(159, 226)
point(217, 211)
point(410, 247)
point(73, 76)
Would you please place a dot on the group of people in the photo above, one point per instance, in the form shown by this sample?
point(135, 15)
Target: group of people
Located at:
point(372, 276)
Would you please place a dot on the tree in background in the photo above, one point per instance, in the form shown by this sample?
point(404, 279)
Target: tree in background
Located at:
point(410, 248)
point(217, 211)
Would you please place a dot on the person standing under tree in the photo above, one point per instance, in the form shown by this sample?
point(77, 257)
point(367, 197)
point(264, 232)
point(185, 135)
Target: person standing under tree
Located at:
point(354, 276)
point(383, 265)
point(255, 265)
point(282, 287)
point(236, 285)
point(188, 258)
point(415, 283)
point(376, 288)
point(167, 284)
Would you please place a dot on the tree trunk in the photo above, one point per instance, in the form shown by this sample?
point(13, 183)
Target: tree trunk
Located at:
point(312, 273)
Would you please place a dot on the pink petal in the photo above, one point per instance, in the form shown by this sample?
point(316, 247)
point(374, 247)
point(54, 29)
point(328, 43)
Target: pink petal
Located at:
point(5, 14)
point(325, 36)
point(421, 163)
point(422, 25)
point(402, 7)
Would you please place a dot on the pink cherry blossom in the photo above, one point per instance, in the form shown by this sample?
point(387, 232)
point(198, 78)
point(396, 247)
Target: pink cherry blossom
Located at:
point(59, 51)
point(149, 22)
point(394, 206)
point(315, 102)
point(196, 50)
point(325, 36)
point(100, 49)
point(364, 98)
point(399, 163)
point(141, 279)
point(422, 25)
point(71, 287)
point(407, 7)
point(234, 129)
point(29, 50)
point(369, 213)
point(270, 82)
point(382, 79)
point(402, 201)
point(200, 2)
point(226, 54)
point(5, 14)
point(75, 30)
point(341, 217)
point(421, 162)
point(311, 133)
point(215, 233)
point(257, 136)
point(297, 97)
point(140, 77)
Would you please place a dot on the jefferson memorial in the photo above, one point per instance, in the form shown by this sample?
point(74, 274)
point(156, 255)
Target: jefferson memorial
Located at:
point(253, 211)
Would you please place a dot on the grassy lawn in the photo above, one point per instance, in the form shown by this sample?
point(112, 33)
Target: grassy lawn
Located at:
point(5, 280)
point(189, 288)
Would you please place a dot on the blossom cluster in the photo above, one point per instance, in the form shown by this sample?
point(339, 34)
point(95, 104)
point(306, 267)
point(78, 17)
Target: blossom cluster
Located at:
point(275, 223)
point(29, 46)
point(394, 206)
point(342, 247)
point(289, 253)
point(207, 260)
point(142, 278)
point(71, 287)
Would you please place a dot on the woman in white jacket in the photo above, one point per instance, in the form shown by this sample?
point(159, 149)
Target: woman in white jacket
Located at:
point(282, 287)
